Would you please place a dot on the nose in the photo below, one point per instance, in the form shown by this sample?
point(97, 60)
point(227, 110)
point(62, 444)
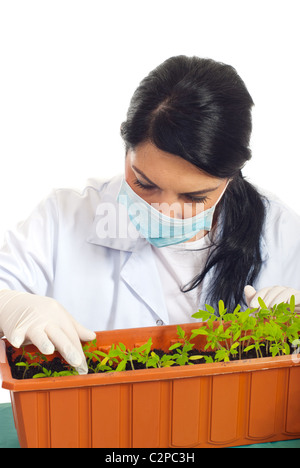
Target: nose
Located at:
point(172, 210)
point(168, 205)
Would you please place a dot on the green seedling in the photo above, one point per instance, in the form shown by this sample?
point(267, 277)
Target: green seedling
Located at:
point(158, 362)
point(48, 373)
point(36, 360)
point(26, 357)
point(27, 366)
point(124, 355)
point(182, 356)
point(117, 357)
point(105, 362)
point(241, 331)
point(216, 335)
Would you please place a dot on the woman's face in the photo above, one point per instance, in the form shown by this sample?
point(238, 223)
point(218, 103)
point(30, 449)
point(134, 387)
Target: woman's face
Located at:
point(171, 184)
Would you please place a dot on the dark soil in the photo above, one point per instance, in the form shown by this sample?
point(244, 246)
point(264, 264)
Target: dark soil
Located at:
point(20, 373)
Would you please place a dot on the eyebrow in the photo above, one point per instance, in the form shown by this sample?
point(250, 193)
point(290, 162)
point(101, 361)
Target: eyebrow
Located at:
point(198, 192)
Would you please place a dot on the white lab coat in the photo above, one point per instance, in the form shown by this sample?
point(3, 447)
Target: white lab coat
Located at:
point(109, 280)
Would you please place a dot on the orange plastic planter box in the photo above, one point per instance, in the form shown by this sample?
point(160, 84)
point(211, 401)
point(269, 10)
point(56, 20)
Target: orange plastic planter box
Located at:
point(208, 405)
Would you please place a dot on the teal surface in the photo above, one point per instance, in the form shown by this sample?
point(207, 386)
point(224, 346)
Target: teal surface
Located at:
point(9, 439)
point(8, 434)
point(281, 444)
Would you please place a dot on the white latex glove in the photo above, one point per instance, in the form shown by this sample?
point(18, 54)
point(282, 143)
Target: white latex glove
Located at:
point(271, 296)
point(27, 318)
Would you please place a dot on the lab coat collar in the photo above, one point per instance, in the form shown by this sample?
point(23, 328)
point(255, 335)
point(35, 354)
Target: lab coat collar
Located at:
point(146, 283)
point(112, 227)
point(139, 271)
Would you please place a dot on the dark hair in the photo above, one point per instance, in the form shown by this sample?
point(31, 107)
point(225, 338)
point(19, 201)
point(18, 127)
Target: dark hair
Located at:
point(200, 110)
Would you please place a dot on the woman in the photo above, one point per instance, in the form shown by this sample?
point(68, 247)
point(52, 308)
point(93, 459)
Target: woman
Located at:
point(182, 229)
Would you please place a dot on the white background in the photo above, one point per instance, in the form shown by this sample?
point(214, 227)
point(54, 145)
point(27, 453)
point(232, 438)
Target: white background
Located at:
point(68, 69)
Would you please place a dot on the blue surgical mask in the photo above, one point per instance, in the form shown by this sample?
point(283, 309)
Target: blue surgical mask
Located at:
point(161, 230)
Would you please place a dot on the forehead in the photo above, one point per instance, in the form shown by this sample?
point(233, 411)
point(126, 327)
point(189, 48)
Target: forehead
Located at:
point(168, 171)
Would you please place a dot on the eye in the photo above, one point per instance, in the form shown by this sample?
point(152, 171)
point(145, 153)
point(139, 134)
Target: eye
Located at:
point(196, 199)
point(190, 199)
point(138, 183)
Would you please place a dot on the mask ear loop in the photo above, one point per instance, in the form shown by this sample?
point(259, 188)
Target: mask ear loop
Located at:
point(220, 197)
point(229, 180)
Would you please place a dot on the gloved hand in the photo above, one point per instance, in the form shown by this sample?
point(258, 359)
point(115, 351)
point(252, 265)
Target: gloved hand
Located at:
point(27, 318)
point(271, 296)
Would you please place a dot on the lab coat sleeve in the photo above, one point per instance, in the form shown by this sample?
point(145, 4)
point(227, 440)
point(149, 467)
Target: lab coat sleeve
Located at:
point(27, 257)
point(289, 238)
point(282, 241)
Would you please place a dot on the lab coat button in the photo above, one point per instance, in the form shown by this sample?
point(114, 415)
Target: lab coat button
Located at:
point(159, 323)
